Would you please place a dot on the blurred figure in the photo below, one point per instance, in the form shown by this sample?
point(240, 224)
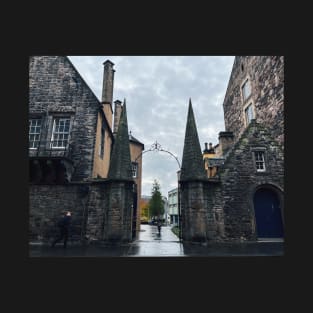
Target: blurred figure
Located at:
point(159, 226)
point(64, 225)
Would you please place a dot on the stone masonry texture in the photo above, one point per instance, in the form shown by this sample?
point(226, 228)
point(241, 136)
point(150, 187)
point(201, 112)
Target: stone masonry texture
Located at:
point(266, 74)
point(100, 210)
point(47, 204)
point(232, 197)
point(57, 89)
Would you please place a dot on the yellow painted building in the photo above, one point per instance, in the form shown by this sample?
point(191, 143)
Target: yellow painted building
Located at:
point(144, 210)
point(104, 139)
point(136, 148)
point(209, 153)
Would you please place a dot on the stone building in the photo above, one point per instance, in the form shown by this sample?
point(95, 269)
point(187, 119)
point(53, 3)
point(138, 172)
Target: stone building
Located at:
point(238, 194)
point(256, 91)
point(71, 145)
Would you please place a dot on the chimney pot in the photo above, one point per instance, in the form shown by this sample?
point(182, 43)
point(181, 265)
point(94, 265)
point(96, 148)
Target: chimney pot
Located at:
point(109, 62)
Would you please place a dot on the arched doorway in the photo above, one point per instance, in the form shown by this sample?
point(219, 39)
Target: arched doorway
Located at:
point(268, 213)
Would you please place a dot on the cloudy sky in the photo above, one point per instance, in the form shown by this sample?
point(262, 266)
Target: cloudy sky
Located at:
point(157, 91)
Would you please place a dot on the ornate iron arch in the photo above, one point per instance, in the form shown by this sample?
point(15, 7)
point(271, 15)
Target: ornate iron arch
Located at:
point(157, 147)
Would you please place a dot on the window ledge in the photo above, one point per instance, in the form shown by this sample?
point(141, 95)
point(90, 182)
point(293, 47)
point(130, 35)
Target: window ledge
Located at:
point(262, 173)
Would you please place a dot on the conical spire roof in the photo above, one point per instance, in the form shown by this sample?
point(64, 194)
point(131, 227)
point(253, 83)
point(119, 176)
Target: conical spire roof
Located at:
point(192, 163)
point(120, 165)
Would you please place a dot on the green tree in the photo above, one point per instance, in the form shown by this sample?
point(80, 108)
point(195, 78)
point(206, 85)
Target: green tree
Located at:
point(156, 202)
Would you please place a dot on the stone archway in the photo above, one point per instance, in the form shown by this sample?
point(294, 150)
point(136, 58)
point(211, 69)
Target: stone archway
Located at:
point(268, 212)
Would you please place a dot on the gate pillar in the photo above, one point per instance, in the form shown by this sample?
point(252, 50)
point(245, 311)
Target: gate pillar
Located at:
point(194, 220)
point(119, 215)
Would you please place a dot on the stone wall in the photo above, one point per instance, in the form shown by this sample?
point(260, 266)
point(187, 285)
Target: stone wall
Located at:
point(215, 212)
point(57, 89)
point(266, 74)
point(47, 204)
point(119, 216)
point(99, 210)
point(239, 180)
point(194, 211)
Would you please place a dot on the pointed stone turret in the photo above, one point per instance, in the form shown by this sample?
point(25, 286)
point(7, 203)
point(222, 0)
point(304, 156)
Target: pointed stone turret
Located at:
point(120, 165)
point(193, 180)
point(192, 162)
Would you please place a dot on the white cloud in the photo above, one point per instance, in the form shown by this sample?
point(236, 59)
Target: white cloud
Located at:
point(157, 90)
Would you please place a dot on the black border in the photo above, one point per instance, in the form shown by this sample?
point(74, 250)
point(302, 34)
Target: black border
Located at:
point(233, 280)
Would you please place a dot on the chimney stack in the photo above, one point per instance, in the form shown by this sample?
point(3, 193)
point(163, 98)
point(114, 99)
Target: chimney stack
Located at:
point(117, 115)
point(108, 81)
point(107, 90)
point(225, 141)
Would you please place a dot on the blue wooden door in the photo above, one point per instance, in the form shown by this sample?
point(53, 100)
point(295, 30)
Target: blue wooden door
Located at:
point(268, 214)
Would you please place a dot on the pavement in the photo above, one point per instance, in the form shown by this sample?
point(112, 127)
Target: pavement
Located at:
point(166, 244)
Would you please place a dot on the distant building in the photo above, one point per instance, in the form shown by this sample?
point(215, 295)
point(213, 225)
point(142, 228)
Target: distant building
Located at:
point(144, 209)
point(166, 215)
point(173, 206)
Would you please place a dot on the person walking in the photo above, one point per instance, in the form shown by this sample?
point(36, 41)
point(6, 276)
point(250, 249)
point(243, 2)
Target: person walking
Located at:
point(64, 225)
point(159, 226)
